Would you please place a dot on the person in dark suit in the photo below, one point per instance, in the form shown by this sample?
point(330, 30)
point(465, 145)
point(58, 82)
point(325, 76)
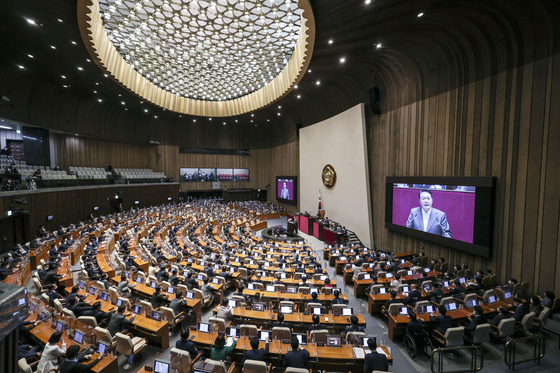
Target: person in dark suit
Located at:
point(105, 280)
point(186, 345)
point(374, 360)
point(414, 326)
point(504, 314)
point(77, 307)
point(443, 321)
point(477, 287)
point(316, 324)
point(474, 321)
point(118, 321)
point(51, 277)
point(71, 364)
point(354, 327)
point(281, 323)
point(53, 294)
point(256, 353)
point(191, 282)
point(428, 219)
point(177, 303)
point(414, 296)
point(521, 309)
point(437, 293)
point(337, 299)
point(96, 312)
point(158, 298)
point(296, 358)
point(392, 300)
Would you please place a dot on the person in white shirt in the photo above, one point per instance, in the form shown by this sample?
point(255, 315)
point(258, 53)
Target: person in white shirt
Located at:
point(51, 353)
point(225, 311)
point(396, 282)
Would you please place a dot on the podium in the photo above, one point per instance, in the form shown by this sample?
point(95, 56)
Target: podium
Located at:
point(291, 227)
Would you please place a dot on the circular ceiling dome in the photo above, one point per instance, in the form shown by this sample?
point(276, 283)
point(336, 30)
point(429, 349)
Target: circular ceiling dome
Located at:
point(201, 57)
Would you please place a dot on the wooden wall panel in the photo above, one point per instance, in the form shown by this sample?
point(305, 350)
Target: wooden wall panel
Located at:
point(505, 126)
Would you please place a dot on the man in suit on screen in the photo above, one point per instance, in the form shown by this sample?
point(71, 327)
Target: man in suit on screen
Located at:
point(428, 219)
point(284, 193)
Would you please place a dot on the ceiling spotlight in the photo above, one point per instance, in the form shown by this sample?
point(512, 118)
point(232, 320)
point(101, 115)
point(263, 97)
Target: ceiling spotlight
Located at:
point(100, 100)
point(53, 47)
point(21, 67)
point(63, 77)
point(155, 116)
point(295, 87)
point(64, 86)
point(59, 20)
point(420, 15)
point(122, 102)
point(318, 82)
point(279, 107)
point(378, 46)
point(224, 123)
point(209, 118)
point(368, 1)
point(309, 70)
point(298, 96)
point(30, 21)
point(30, 55)
point(74, 42)
point(145, 110)
point(330, 41)
point(278, 114)
point(252, 115)
point(79, 68)
point(342, 60)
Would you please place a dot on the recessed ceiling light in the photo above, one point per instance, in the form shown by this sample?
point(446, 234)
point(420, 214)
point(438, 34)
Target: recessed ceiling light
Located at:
point(122, 102)
point(420, 15)
point(64, 86)
point(63, 77)
point(53, 47)
point(209, 118)
point(194, 120)
point(120, 95)
point(368, 1)
point(146, 110)
point(125, 108)
point(378, 46)
point(252, 121)
point(342, 60)
point(74, 42)
point(180, 116)
point(94, 91)
point(278, 114)
point(255, 125)
point(79, 68)
point(309, 70)
point(279, 107)
point(252, 115)
point(236, 121)
point(268, 120)
point(21, 67)
point(105, 75)
point(318, 82)
point(59, 20)
point(30, 21)
point(96, 83)
point(76, 134)
point(100, 100)
point(330, 41)
point(298, 96)
point(30, 55)
point(88, 60)
point(224, 123)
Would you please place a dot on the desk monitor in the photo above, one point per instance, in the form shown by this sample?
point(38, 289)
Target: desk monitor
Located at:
point(216, 267)
point(104, 296)
point(119, 302)
point(446, 284)
point(156, 315)
point(264, 335)
point(185, 273)
point(170, 290)
point(428, 287)
point(365, 341)
point(403, 311)
point(82, 284)
point(202, 263)
point(189, 295)
point(339, 290)
point(200, 277)
point(323, 277)
point(334, 340)
point(139, 279)
point(507, 295)
point(291, 290)
point(428, 309)
point(367, 276)
point(403, 261)
point(127, 275)
point(427, 269)
point(283, 275)
point(451, 306)
point(302, 338)
point(78, 337)
point(92, 290)
point(232, 303)
point(232, 269)
point(409, 272)
point(342, 258)
point(203, 327)
point(347, 312)
point(266, 264)
point(137, 309)
point(233, 332)
point(471, 303)
point(491, 299)
point(462, 280)
point(371, 265)
point(382, 290)
point(250, 286)
point(389, 275)
point(216, 281)
point(314, 290)
point(258, 307)
point(405, 289)
point(60, 325)
point(287, 310)
point(269, 256)
point(189, 260)
point(102, 348)
point(43, 316)
point(251, 262)
point(31, 306)
point(317, 311)
point(153, 284)
point(161, 366)
point(270, 288)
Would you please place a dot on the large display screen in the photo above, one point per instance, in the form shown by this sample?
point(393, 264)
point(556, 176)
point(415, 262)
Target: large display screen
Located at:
point(286, 189)
point(456, 212)
point(200, 174)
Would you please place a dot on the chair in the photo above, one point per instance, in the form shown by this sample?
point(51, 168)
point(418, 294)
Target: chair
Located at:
point(25, 367)
point(147, 306)
point(402, 272)
point(181, 361)
point(541, 321)
point(468, 297)
point(326, 291)
point(217, 324)
point(505, 328)
point(297, 370)
point(240, 300)
point(255, 366)
point(355, 338)
point(337, 308)
point(58, 306)
point(418, 339)
point(493, 281)
point(526, 323)
point(310, 306)
point(38, 285)
point(381, 274)
point(481, 334)
point(287, 303)
point(524, 289)
point(101, 285)
point(246, 330)
point(206, 301)
point(126, 302)
point(114, 294)
point(258, 286)
point(281, 333)
point(129, 347)
point(172, 319)
point(279, 287)
point(420, 304)
point(447, 300)
point(90, 322)
point(303, 289)
point(318, 336)
point(487, 294)
point(102, 334)
point(394, 308)
point(453, 337)
point(218, 366)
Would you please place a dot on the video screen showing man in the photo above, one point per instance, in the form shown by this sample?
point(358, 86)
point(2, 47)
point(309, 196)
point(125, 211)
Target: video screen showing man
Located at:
point(428, 219)
point(285, 189)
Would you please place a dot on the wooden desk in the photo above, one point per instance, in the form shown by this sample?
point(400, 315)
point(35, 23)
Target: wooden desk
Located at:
point(407, 255)
point(397, 324)
point(43, 331)
point(298, 298)
point(338, 359)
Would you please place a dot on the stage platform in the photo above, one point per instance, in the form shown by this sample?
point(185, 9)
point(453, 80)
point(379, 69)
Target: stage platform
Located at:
point(280, 234)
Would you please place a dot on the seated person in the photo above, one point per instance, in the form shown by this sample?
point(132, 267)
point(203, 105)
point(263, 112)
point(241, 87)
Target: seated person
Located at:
point(158, 298)
point(374, 361)
point(548, 300)
point(316, 324)
point(71, 364)
point(354, 327)
point(414, 296)
point(255, 353)
point(186, 345)
point(224, 311)
point(474, 321)
point(99, 315)
point(296, 358)
point(337, 299)
point(414, 326)
point(393, 299)
point(443, 321)
point(51, 353)
point(219, 351)
point(281, 323)
point(521, 309)
point(502, 315)
point(437, 293)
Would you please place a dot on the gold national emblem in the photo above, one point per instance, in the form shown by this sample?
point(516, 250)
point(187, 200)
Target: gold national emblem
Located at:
point(329, 176)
